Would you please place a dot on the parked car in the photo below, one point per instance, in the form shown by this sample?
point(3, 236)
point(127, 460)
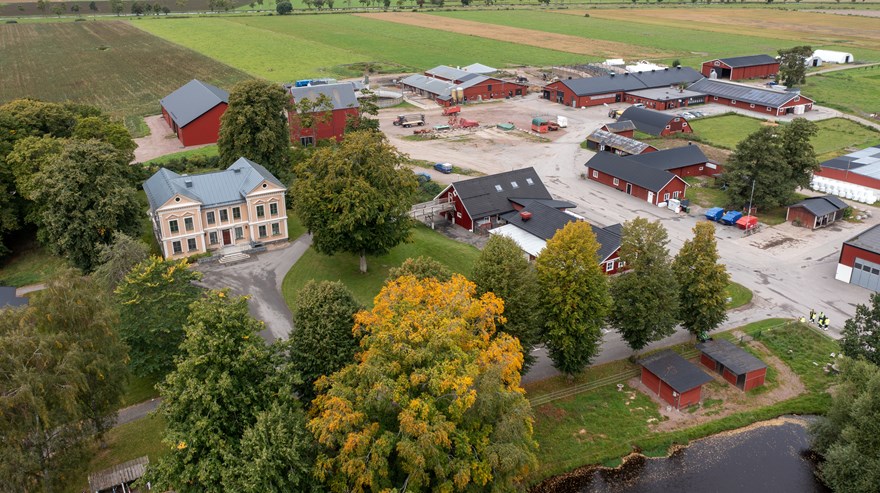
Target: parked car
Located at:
point(443, 168)
point(423, 177)
point(687, 115)
point(698, 114)
point(638, 105)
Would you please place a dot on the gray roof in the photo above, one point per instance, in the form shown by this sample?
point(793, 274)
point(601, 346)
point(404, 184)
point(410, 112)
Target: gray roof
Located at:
point(632, 81)
point(819, 206)
point(667, 159)
point(868, 239)
point(745, 93)
point(626, 144)
point(482, 198)
point(451, 73)
point(677, 372)
point(9, 299)
point(211, 189)
point(341, 94)
point(733, 357)
point(620, 126)
point(746, 61)
point(649, 121)
point(630, 171)
point(865, 162)
point(479, 68)
point(439, 87)
point(192, 100)
point(554, 203)
point(665, 94)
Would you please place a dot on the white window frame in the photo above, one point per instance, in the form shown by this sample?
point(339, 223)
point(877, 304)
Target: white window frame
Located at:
point(260, 211)
point(595, 174)
point(174, 229)
point(732, 101)
point(666, 197)
point(189, 224)
point(210, 217)
point(276, 229)
point(609, 266)
point(616, 182)
point(234, 214)
point(176, 247)
point(271, 206)
point(212, 238)
point(194, 247)
point(239, 233)
point(261, 231)
point(675, 193)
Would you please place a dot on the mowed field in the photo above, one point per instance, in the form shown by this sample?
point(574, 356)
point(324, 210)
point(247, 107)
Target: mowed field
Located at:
point(109, 64)
point(855, 91)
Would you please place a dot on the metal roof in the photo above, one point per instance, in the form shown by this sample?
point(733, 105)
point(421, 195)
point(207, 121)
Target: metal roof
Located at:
point(746, 61)
point(667, 159)
point(527, 242)
point(9, 298)
point(819, 206)
point(119, 474)
point(733, 357)
point(341, 95)
point(192, 100)
point(479, 68)
point(626, 144)
point(649, 121)
point(489, 195)
point(677, 372)
point(632, 81)
point(865, 162)
point(665, 94)
point(451, 73)
point(441, 88)
point(211, 189)
point(620, 126)
point(630, 171)
point(745, 93)
point(868, 239)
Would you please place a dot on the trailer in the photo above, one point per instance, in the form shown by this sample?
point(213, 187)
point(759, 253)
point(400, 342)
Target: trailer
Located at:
point(731, 217)
point(747, 222)
point(451, 110)
point(714, 214)
point(407, 121)
point(465, 123)
point(540, 125)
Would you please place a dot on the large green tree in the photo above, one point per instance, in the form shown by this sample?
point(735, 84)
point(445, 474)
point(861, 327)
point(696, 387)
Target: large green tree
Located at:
point(502, 269)
point(848, 436)
point(322, 341)
point(433, 402)
point(255, 126)
point(702, 282)
point(117, 259)
point(421, 268)
point(355, 197)
point(574, 295)
point(792, 65)
point(861, 334)
point(233, 423)
point(646, 297)
point(154, 303)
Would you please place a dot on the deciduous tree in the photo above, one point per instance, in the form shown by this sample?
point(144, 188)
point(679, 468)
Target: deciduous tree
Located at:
point(283, 8)
point(646, 297)
point(355, 197)
point(861, 334)
point(792, 65)
point(115, 134)
point(421, 268)
point(308, 114)
point(117, 259)
point(433, 402)
point(502, 269)
point(702, 282)
point(575, 298)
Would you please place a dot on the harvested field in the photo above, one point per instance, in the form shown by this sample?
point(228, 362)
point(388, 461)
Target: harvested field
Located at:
point(562, 42)
point(109, 64)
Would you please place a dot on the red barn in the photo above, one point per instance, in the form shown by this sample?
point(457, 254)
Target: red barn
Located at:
point(741, 67)
point(193, 112)
point(624, 128)
point(772, 102)
point(603, 141)
point(665, 98)
point(468, 88)
point(593, 91)
point(673, 378)
point(329, 125)
point(733, 363)
point(859, 261)
point(816, 212)
point(654, 122)
point(858, 168)
point(627, 175)
point(682, 161)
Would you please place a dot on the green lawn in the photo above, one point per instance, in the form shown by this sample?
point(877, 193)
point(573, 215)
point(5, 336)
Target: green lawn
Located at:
point(854, 91)
point(295, 228)
point(344, 267)
point(740, 295)
point(207, 151)
point(29, 263)
point(139, 389)
point(701, 193)
point(725, 131)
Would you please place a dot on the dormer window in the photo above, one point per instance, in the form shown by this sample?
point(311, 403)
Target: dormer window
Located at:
point(529, 181)
point(514, 185)
point(498, 188)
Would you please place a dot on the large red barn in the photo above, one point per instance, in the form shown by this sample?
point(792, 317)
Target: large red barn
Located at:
point(193, 112)
point(593, 91)
point(639, 180)
point(741, 67)
point(733, 363)
point(448, 85)
point(655, 122)
point(676, 380)
point(859, 261)
point(771, 102)
point(682, 161)
point(329, 125)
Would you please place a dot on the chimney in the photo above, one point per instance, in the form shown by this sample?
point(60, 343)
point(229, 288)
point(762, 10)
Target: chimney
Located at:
point(236, 170)
point(188, 182)
point(525, 215)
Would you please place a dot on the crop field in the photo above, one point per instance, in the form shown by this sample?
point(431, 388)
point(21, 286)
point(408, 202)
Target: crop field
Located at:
point(854, 91)
point(109, 64)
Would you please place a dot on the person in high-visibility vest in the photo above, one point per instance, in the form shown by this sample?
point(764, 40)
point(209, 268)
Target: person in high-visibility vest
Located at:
point(812, 316)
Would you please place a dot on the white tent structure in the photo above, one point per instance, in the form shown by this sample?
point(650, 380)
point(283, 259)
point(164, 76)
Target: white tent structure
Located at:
point(829, 56)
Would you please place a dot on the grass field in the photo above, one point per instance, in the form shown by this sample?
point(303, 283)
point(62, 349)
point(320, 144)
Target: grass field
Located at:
point(109, 64)
point(725, 131)
point(344, 267)
point(207, 151)
point(855, 91)
point(29, 263)
point(739, 295)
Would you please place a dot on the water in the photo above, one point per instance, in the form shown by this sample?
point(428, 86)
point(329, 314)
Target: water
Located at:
point(770, 456)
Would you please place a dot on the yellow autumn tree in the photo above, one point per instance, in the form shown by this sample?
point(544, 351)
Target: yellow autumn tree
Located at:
point(433, 402)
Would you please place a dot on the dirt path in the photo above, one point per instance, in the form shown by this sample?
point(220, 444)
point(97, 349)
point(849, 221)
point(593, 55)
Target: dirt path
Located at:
point(540, 39)
point(160, 142)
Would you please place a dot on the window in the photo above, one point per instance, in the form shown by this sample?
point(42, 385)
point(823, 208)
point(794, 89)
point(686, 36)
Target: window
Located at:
point(276, 230)
point(684, 124)
point(262, 230)
point(188, 223)
point(261, 211)
point(498, 188)
point(273, 209)
point(675, 195)
point(676, 120)
point(666, 196)
point(239, 233)
point(733, 102)
point(797, 98)
point(190, 244)
point(236, 213)
point(714, 98)
point(175, 245)
point(595, 174)
point(701, 168)
point(212, 237)
point(172, 225)
point(514, 184)
point(458, 215)
point(529, 181)
point(224, 215)
point(609, 266)
point(668, 127)
point(769, 109)
point(620, 264)
point(210, 217)
point(306, 141)
point(752, 105)
point(489, 87)
point(616, 182)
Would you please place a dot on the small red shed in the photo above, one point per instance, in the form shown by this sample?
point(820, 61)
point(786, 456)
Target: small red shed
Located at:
point(193, 112)
point(655, 122)
point(675, 379)
point(329, 126)
point(733, 363)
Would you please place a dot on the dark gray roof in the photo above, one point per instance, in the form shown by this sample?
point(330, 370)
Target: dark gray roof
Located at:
point(626, 144)
point(482, 198)
point(555, 203)
point(868, 239)
point(341, 94)
point(677, 372)
point(747, 61)
point(620, 126)
point(665, 94)
point(630, 171)
point(649, 121)
point(735, 358)
point(864, 162)
point(746, 94)
point(192, 100)
point(211, 189)
point(667, 159)
point(632, 81)
point(439, 87)
point(8, 298)
point(819, 206)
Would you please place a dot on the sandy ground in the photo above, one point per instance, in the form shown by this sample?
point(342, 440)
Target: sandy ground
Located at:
point(160, 142)
point(541, 39)
point(861, 13)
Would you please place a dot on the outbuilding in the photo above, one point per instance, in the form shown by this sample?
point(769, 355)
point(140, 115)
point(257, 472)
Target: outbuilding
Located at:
point(741, 67)
point(772, 102)
point(665, 98)
point(829, 56)
point(859, 261)
point(655, 122)
point(634, 178)
point(733, 363)
point(603, 141)
point(450, 85)
point(855, 175)
point(328, 125)
point(681, 161)
point(193, 112)
point(594, 91)
point(674, 379)
point(623, 128)
point(816, 212)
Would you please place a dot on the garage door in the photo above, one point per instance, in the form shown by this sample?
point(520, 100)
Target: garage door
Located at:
point(866, 274)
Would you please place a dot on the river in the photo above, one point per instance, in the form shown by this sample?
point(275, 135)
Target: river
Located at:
point(770, 457)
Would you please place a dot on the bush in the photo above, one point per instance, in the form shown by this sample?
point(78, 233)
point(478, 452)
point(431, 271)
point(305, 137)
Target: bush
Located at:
point(283, 8)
